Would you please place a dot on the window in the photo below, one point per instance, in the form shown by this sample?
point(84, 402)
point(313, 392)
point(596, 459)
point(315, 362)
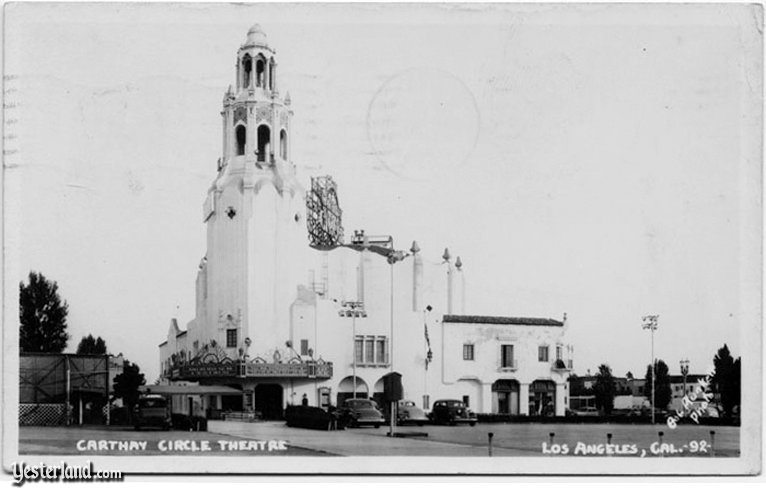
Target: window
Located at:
point(231, 337)
point(259, 72)
point(283, 144)
point(247, 68)
point(425, 402)
point(304, 347)
point(468, 352)
point(264, 140)
point(359, 350)
point(241, 139)
point(371, 350)
point(380, 350)
point(542, 353)
point(559, 350)
point(195, 345)
point(506, 356)
point(466, 400)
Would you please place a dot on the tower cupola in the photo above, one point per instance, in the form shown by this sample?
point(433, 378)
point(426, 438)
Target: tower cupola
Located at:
point(256, 119)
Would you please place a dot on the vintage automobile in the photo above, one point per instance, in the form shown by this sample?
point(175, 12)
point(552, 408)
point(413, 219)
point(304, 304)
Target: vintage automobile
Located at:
point(586, 412)
point(407, 412)
point(152, 410)
point(452, 412)
point(359, 411)
point(313, 418)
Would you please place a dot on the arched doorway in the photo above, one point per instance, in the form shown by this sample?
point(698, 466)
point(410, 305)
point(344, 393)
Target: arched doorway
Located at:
point(346, 389)
point(379, 393)
point(542, 398)
point(267, 399)
point(505, 396)
point(264, 143)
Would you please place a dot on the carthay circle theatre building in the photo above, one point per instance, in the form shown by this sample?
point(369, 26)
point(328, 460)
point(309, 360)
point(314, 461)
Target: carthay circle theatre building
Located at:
point(289, 308)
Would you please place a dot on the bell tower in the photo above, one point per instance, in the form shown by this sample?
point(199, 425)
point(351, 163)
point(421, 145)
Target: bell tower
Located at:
point(255, 215)
point(256, 120)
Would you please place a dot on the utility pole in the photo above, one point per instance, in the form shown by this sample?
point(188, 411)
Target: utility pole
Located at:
point(650, 323)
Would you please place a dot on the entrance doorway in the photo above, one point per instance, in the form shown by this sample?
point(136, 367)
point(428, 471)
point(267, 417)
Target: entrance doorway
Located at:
point(506, 396)
point(267, 399)
point(542, 398)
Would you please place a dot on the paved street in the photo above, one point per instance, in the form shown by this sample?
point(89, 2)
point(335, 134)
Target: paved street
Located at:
point(243, 438)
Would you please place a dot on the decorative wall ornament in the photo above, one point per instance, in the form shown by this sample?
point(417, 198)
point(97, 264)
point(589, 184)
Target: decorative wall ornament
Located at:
point(283, 118)
point(240, 114)
point(263, 113)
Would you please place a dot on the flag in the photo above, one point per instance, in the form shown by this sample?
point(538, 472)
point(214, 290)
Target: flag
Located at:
point(429, 354)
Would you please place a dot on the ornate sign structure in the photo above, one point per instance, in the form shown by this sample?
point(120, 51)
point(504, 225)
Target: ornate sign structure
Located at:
point(210, 365)
point(324, 214)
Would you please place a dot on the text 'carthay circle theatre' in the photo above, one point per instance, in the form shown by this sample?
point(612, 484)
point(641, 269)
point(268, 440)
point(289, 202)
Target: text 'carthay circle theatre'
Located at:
point(288, 309)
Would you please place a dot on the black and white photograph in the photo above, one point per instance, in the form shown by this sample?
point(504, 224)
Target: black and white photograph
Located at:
point(382, 239)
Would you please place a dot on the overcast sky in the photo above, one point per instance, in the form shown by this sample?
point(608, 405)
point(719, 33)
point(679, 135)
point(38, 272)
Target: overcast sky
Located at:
point(600, 161)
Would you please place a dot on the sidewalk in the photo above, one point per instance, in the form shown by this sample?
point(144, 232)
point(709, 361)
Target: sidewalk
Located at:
point(353, 442)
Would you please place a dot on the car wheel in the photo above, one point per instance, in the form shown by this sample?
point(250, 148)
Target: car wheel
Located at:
point(377, 426)
point(472, 424)
point(138, 427)
point(420, 424)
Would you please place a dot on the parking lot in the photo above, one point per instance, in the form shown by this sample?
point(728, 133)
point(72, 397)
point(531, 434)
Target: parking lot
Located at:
point(275, 439)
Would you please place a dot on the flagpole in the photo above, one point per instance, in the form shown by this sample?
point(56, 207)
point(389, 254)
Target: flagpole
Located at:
point(427, 350)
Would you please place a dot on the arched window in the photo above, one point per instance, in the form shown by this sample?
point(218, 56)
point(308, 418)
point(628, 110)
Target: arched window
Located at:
point(260, 66)
point(247, 70)
point(283, 144)
point(241, 139)
point(264, 146)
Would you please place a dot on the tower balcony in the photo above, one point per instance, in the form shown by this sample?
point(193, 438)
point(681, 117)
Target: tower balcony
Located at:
point(561, 365)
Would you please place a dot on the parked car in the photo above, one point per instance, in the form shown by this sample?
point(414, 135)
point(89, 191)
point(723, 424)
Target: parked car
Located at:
point(586, 412)
point(407, 412)
point(359, 411)
point(313, 418)
point(452, 412)
point(152, 410)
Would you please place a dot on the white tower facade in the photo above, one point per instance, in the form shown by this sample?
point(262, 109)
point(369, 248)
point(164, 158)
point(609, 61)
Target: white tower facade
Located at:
point(254, 214)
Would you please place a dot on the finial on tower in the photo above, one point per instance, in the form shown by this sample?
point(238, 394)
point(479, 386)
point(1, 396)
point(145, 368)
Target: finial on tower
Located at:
point(288, 101)
point(414, 248)
point(458, 263)
point(446, 255)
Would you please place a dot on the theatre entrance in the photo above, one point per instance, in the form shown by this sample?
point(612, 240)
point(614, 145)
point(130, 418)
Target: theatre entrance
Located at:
point(267, 399)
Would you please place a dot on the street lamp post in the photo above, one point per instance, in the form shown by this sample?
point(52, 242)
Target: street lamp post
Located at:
point(353, 309)
point(393, 257)
point(650, 323)
point(684, 371)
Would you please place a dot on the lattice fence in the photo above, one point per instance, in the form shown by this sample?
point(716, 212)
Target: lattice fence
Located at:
point(42, 414)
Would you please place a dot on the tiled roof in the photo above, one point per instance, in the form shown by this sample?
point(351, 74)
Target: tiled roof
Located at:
point(502, 320)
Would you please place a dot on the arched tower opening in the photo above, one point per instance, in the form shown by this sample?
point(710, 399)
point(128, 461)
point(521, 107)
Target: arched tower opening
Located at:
point(241, 139)
point(283, 144)
point(260, 68)
point(264, 143)
point(247, 71)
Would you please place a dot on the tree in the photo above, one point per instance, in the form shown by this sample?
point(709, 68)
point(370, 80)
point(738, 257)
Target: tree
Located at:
point(604, 389)
point(126, 384)
point(727, 379)
point(42, 316)
point(89, 345)
point(662, 392)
